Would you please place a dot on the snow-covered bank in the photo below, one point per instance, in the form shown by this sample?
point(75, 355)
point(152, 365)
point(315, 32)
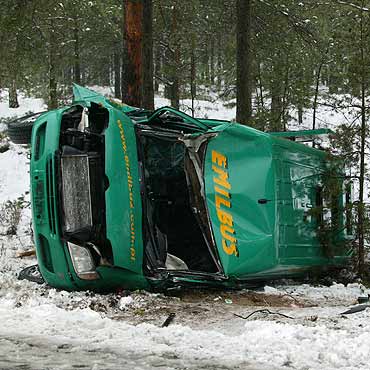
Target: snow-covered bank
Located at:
point(44, 328)
point(26, 104)
point(14, 173)
point(317, 338)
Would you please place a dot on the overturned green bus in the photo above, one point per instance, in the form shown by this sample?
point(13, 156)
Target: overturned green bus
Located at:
point(126, 198)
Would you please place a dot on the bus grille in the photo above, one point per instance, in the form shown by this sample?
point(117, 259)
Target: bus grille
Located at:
point(50, 194)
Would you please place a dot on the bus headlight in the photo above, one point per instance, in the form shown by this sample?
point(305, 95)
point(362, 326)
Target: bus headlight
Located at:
point(83, 262)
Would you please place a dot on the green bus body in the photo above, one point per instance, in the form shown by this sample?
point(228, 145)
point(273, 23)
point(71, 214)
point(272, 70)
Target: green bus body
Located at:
point(247, 194)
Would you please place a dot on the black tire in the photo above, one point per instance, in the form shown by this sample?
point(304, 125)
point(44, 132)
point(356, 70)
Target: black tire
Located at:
point(31, 273)
point(20, 130)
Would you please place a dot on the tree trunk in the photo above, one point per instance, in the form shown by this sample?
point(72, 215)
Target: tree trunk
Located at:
point(175, 87)
point(212, 60)
point(300, 114)
point(219, 61)
point(316, 95)
point(67, 76)
point(77, 65)
point(260, 87)
point(53, 98)
point(13, 96)
point(285, 100)
point(206, 63)
point(84, 74)
point(317, 84)
point(157, 68)
point(243, 63)
point(193, 88)
point(105, 72)
point(148, 91)
point(276, 106)
point(167, 91)
point(117, 73)
point(277, 92)
point(132, 55)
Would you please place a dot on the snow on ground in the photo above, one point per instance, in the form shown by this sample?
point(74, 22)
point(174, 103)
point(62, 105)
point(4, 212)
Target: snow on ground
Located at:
point(14, 164)
point(26, 104)
point(336, 293)
point(43, 328)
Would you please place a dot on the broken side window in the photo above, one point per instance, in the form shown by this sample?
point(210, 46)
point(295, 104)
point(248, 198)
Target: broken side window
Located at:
point(171, 217)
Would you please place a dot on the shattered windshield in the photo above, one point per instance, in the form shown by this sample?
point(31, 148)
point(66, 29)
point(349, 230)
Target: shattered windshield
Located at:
point(174, 222)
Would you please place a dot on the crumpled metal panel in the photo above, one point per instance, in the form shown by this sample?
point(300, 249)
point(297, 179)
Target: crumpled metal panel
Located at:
point(123, 202)
point(238, 173)
point(259, 192)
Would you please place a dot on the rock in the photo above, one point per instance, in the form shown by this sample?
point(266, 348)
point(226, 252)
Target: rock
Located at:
point(12, 230)
point(4, 146)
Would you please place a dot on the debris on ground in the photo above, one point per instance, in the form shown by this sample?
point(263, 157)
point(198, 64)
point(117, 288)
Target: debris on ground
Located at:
point(4, 146)
point(26, 253)
point(264, 311)
point(169, 319)
point(356, 309)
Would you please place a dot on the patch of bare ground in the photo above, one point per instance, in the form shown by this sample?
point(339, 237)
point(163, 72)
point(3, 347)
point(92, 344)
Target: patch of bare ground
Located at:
point(240, 298)
point(206, 309)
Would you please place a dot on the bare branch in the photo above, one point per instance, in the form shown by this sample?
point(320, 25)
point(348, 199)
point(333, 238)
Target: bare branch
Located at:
point(358, 7)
